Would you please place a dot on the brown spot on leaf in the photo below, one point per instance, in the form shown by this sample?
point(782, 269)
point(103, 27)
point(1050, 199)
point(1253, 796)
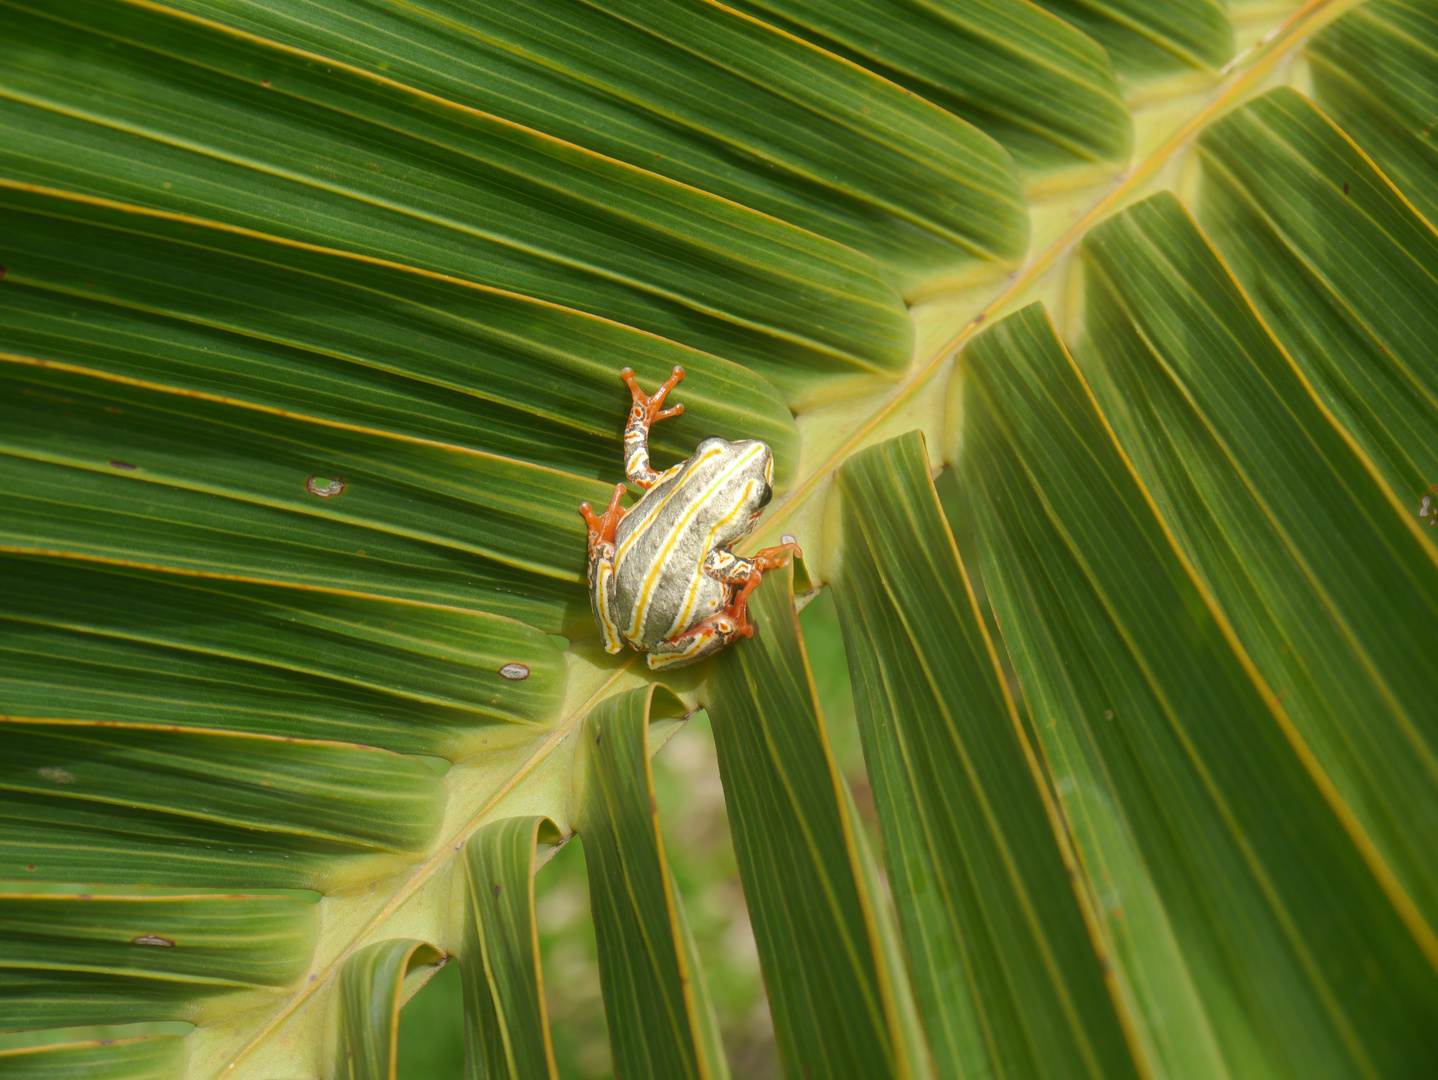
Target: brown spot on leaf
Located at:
point(153, 939)
point(326, 487)
point(515, 671)
point(496, 892)
point(57, 775)
point(123, 465)
point(1345, 187)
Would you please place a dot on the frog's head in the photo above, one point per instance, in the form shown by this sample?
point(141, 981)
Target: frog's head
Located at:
point(760, 474)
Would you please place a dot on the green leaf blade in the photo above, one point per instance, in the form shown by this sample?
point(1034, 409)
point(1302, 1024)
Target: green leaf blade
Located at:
point(1349, 274)
point(1007, 973)
point(153, 805)
point(160, 1057)
point(701, 95)
point(329, 156)
point(661, 1020)
point(1148, 39)
point(1372, 74)
point(1041, 88)
point(81, 959)
point(843, 1011)
point(83, 642)
point(369, 992)
point(1336, 586)
point(1270, 902)
point(506, 1030)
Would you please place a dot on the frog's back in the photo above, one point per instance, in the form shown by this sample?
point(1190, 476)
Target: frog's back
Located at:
point(661, 544)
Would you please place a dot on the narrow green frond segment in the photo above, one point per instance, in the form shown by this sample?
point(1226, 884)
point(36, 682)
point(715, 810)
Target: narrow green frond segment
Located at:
point(109, 645)
point(369, 993)
point(1333, 593)
point(160, 1057)
point(99, 470)
point(506, 1026)
point(1373, 72)
point(1041, 88)
point(661, 1019)
point(837, 984)
point(68, 960)
point(699, 94)
point(226, 316)
point(93, 802)
point(1261, 938)
point(1148, 38)
point(1004, 964)
point(272, 139)
point(1341, 269)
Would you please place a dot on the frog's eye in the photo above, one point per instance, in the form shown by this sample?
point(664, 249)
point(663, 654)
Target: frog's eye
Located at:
point(765, 495)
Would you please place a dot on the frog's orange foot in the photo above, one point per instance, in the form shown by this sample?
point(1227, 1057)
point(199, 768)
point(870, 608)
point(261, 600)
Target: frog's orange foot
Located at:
point(774, 557)
point(648, 409)
point(603, 526)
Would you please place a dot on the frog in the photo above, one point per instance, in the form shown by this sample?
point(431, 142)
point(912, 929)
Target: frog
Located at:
point(663, 575)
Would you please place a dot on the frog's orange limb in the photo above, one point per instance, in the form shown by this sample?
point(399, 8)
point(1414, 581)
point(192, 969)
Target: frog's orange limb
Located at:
point(765, 559)
point(643, 413)
point(774, 557)
point(602, 527)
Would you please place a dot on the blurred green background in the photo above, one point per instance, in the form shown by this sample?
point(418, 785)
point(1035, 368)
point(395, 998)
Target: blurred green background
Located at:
point(696, 837)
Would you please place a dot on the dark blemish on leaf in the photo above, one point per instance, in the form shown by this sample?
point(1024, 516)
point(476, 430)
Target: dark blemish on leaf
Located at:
point(313, 978)
point(514, 671)
point(57, 775)
point(326, 487)
point(264, 82)
point(598, 736)
point(29, 868)
point(123, 465)
point(979, 317)
point(153, 939)
point(1108, 714)
point(1345, 187)
point(2, 271)
point(496, 892)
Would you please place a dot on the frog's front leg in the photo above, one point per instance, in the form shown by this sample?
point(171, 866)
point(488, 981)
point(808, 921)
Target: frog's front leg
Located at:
point(601, 567)
point(644, 412)
point(747, 573)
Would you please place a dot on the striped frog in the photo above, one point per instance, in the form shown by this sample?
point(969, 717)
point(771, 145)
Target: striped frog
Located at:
point(662, 577)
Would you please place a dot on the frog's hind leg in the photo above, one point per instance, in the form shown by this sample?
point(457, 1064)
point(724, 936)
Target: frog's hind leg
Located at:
point(718, 630)
point(690, 646)
point(644, 412)
point(601, 567)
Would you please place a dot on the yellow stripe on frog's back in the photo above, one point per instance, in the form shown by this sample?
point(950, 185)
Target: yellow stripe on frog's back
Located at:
point(646, 591)
point(692, 595)
point(650, 513)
